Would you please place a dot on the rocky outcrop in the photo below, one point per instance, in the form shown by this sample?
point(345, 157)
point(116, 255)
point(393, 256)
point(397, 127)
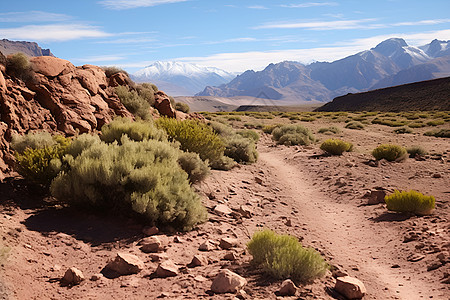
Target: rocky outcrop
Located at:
point(29, 48)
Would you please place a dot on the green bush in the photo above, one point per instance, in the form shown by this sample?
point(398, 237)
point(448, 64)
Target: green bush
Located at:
point(416, 125)
point(269, 128)
point(194, 166)
point(387, 122)
point(241, 149)
point(293, 135)
point(146, 91)
point(336, 146)
point(137, 105)
point(283, 256)
point(19, 66)
point(436, 122)
point(389, 152)
point(443, 133)
point(355, 125)
point(403, 130)
point(307, 119)
point(249, 134)
point(38, 156)
point(136, 131)
point(183, 107)
point(329, 130)
point(416, 150)
point(143, 177)
point(194, 136)
point(221, 129)
point(224, 163)
point(411, 201)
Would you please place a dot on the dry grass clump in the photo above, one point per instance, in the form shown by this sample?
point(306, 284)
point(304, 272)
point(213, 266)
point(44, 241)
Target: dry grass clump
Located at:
point(183, 107)
point(355, 125)
point(18, 65)
point(137, 131)
point(411, 201)
point(390, 152)
point(403, 130)
point(131, 99)
point(436, 122)
point(336, 146)
point(443, 133)
point(413, 151)
point(293, 135)
point(111, 70)
point(330, 130)
point(283, 256)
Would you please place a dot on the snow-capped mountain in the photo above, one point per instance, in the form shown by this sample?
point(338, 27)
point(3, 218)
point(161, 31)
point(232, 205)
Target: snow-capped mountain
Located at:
point(392, 62)
point(181, 79)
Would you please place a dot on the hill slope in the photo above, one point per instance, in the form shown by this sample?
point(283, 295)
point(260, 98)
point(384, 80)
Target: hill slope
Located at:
point(425, 95)
point(29, 48)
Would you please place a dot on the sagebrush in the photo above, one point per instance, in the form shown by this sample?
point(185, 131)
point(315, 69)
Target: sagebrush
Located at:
point(293, 135)
point(283, 256)
point(137, 131)
point(336, 146)
point(390, 152)
point(411, 201)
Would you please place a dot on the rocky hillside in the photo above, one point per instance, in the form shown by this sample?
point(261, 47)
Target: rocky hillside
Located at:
point(60, 98)
point(391, 62)
point(425, 95)
point(29, 48)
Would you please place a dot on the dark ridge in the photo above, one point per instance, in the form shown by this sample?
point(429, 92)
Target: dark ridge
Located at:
point(425, 95)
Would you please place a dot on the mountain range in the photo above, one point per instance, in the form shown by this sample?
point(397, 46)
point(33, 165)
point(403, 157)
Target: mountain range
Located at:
point(29, 48)
point(392, 62)
point(181, 79)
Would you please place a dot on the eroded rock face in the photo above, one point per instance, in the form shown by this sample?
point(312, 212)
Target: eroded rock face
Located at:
point(163, 105)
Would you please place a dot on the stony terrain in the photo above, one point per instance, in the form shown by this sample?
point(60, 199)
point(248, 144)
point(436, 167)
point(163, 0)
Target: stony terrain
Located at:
point(321, 200)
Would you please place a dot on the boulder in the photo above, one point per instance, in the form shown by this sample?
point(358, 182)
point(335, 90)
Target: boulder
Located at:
point(123, 264)
point(150, 230)
point(119, 79)
point(150, 244)
point(350, 287)
point(222, 209)
point(166, 269)
point(73, 276)
point(227, 243)
point(50, 66)
point(198, 261)
point(163, 105)
point(376, 197)
point(206, 246)
point(287, 288)
point(227, 282)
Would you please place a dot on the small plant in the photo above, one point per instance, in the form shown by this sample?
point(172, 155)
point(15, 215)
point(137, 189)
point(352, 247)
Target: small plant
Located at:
point(283, 256)
point(194, 166)
point(269, 128)
point(293, 135)
point(110, 71)
point(436, 122)
point(194, 136)
point(355, 125)
point(329, 130)
point(136, 131)
point(443, 133)
point(403, 130)
point(147, 92)
point(19, 66)
point(249, 134)
point(416, 150)
point(416, 125)
point(336, 146)
point(389, 152)
point(137, 105)
point(183, 107)
point(224, 163)
point(411, 201)
point(241, 149)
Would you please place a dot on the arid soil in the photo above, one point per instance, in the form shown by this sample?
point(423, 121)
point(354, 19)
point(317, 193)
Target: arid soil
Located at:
point(295, 190)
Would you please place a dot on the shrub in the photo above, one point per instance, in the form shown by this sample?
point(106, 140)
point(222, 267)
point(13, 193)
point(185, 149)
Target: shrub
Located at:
point(249, 134)
point(234, 118)
point(183, 107)
point(242, 150)
point(283, 256)
point(403, 130)
point(293, 135)
point(391, 123)
point(307, 119)
point(136, 131)
point(389, 152)
point(110, 71)
point(411, 201)
point(329, 130)
point(436, 122)
point(416, 125)
point(221, 129)
point(336, 146)
point(137, 105)
point(38, 156)
point(194, 136)
point(224, 163)
point(143, 177)
point(19, 66)
point(443, 133)
point(269, 128)
point(146, 91)
point(416, 150)
point(194, 166)
point(355, 125)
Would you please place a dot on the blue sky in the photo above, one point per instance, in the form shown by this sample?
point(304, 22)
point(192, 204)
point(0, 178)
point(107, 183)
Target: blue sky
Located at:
point(230, 34)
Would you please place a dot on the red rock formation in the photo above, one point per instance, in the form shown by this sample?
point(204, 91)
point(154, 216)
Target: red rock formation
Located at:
point(163, 105)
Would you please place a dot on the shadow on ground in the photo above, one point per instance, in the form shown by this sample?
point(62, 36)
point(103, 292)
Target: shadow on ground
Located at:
point(391, 217)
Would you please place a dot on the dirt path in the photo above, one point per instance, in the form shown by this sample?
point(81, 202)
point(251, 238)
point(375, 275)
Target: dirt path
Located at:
point(344, 231)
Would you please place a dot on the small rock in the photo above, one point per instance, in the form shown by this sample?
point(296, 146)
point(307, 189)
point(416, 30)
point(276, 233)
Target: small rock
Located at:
point(434, 266)
point(150, 244)
point(411, 236)
point(376, 197)
point(288, 223)
point(338, 273)
point(227, 282)
point(437, 175)
point(200, 278)
point(124, 264)
point(288, 288)
point(73, 276)
point(158, 257)
point(443, 257)
point(150, 230)
point(231, 256)
point(259, 180)
point(96, 277)
point(206, 246)
point(227, 243)
point(245, 211)
point(166, 269)
point(350, 287)
point(177, 239)
point(416, 257)
point(198, 260)
point(222, 209)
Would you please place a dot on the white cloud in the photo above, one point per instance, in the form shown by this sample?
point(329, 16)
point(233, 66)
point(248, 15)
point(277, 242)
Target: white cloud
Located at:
point(309, 4)
point(54, 32)
point(128, 41)
point(257, 7)
point(422, 22)
point(96, 59)
point(321, 25)
point(32, 16)
point(128, 4)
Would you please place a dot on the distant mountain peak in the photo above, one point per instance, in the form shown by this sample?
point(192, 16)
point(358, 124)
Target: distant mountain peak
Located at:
point(390, 46)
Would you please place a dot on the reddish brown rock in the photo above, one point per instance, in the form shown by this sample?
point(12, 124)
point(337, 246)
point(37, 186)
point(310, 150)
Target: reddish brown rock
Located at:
point(163, 105)
point(73, 276)
point(2, 82)
point(350, 287)
point(119, 79)
point(166, 269)
point(50, 66)
point(227, 282)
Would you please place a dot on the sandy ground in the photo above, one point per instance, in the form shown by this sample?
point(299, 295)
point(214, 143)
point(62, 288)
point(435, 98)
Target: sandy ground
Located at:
point(293, 190)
